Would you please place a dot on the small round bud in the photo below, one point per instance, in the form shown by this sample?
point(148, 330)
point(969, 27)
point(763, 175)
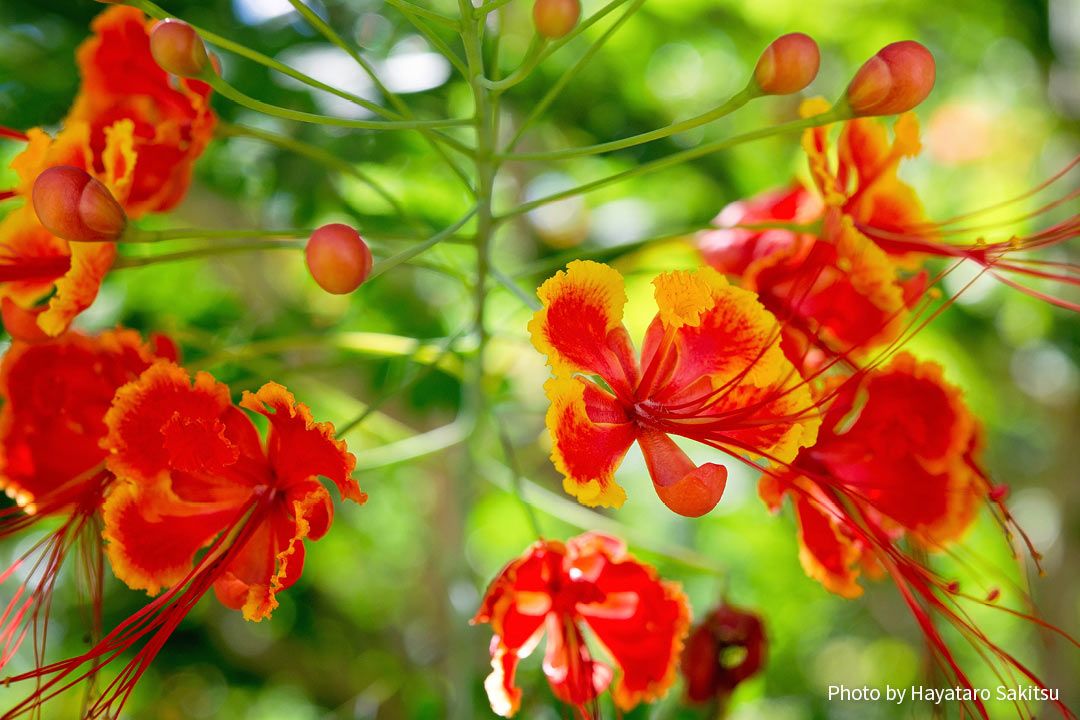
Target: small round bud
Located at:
point(178, 49)
point(895, 80)
point(338, 258)
point(788, 65)
point(555, 18)
point(72, 205)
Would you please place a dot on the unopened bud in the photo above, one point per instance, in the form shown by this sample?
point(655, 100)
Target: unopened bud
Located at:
point(178, 49)
point(555, 18)
point(789, 64)
point(72, 205)
point(895, 80)
point(338, 258)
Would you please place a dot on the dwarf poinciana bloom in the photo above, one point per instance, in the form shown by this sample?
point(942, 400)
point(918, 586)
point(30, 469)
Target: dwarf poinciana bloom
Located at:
point(55, 396)
point(727, 648)
point(896, 452)
point(134, 128)
point(192, 474)
point(711, 370)
point(590, 582)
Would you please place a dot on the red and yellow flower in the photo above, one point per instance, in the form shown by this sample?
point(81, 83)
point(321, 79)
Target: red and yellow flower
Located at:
point(133, 128)
point(711, 370)
point(561, 589)
point(895, 457)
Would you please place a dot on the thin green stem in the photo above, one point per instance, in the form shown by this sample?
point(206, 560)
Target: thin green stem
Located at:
point(531, 301)
point(553, 92)
point(515, 480)
point(582, 27)
point(440, 44)
point(833, 115)
point(405, 255)
point(122, 263)
point(734, 103)
point(491, 6)
point(226, 90)
point(150, 236)
point(408, 7)
point(528, 64)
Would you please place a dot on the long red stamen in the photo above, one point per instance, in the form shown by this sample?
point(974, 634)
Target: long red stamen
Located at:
point(6, 194)
point(13, 134)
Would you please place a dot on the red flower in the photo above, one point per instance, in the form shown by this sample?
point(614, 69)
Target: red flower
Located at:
point(162, 123)
point(712, 370)
point(895, 452)
point(55, 395)
point(193, 474)
point(591, 582)
point(728, 647)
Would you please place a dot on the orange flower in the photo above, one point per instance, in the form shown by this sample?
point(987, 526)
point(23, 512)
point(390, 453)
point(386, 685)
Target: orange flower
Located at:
point(165, 123)
point(895, 452)
point(55, 395)
point(192, 474)
point(591, 581)
point(712, 370)
point(837, 294)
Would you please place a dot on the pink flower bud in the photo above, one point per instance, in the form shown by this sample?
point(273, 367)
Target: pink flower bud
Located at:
point(895, 80)
point(789, 64)
point(555, 18)
point(338, 258)
point(74, 206)
point(178, 49)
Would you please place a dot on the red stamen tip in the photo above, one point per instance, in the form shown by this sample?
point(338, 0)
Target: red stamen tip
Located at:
point(999, 492)
point(994, 595)
point(953, 587)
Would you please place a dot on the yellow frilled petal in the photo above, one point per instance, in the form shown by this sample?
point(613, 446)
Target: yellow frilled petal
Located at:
point(119, 158)
point(683, 296)
point(76, 290)
point(581, 307)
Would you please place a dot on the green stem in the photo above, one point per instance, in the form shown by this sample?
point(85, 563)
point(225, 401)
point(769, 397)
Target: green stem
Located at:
point(405, 255)
point(408, 7)
point(224, 89)
point(582, 27)
point(528, 64)
point(833, 115)
point(122, 263)
point(151, 236)
point(491, 6)
point(553, 92)
point(734, 103)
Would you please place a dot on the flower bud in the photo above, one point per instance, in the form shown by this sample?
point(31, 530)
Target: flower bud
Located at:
point(72, 205)
point(789, 64)
point(178, 49)
point(895, 80)
point(338, 258)
point(555, 18)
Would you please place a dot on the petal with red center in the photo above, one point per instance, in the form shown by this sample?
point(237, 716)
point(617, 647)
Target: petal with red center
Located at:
point(590, 435)
point(273, 558)
point(158, 423)
point(579, 328)
point(151, 553)
point(515, 605)
point(31, 258)
point(641, 622)
point(827, 553)
point(300, 448)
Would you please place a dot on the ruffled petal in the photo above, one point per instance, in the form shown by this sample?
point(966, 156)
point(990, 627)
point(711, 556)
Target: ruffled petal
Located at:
point(579, 328)
point(31, 258)
point(78, 289)
point(685, 488)
point(827, 553)
point(641, 622)
point(590, 436)
point(300, 448)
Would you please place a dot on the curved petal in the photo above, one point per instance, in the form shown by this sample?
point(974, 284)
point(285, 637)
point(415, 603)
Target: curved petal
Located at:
point(579, 328)
point(300, 448)
point(685, 488)
point(31, 258)
point(78, 288)
point(641, 622)
point(151, 553)
point(585, 450)
point(827, 554)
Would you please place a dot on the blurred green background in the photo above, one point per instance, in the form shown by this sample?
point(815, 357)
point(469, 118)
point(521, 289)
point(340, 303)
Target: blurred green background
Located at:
point(378, 625)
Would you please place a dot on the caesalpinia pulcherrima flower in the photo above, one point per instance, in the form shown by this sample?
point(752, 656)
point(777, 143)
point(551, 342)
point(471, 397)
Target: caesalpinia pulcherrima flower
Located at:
point(134, 128)
point(55, 395)
point(192, 474)
point(896, 460)
point(559, 590)
point(711, 370)
point(726, 649)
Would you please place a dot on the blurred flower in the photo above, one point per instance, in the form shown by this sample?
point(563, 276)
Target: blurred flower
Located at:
point(711, 370)
point(728, 647)
point(591, 581)
point(56, 394)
